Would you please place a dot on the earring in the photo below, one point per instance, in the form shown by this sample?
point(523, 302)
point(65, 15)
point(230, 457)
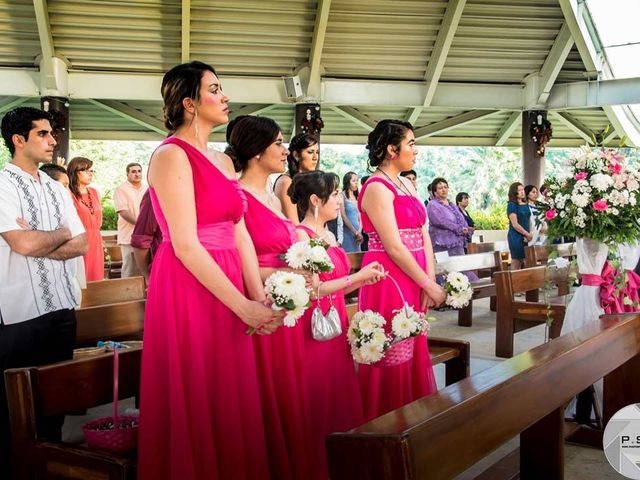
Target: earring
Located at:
point(196, 119)
point(394, 157)
point(258, 157)
point(315, 214)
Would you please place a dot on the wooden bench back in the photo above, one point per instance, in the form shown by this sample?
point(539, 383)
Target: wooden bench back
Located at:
point(113, 291)
point(114, 321)
point(475, 261)
point(539, 254)
point(517, 281)
point(442, 435)
point(500, 246)
point(113, 253)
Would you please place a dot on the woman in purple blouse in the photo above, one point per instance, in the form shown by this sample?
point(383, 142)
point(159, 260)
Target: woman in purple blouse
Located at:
point(447, 227)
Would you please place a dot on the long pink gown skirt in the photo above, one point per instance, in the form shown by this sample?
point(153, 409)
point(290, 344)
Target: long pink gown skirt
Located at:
point(201, 415)
point(388, 388)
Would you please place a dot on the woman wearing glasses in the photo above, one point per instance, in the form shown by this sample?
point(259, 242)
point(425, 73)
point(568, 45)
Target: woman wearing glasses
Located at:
point(87, 202)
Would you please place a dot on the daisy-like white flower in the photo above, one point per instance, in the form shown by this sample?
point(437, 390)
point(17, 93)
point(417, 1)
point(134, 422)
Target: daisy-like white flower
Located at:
point(601, 181)
point(298, 255)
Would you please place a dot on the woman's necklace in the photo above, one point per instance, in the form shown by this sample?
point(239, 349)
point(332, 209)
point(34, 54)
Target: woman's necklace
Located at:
point(400, 187)
point(88, 205)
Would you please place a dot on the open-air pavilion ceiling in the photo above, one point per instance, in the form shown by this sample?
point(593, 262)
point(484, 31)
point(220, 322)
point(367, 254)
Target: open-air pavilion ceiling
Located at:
point(461, 71)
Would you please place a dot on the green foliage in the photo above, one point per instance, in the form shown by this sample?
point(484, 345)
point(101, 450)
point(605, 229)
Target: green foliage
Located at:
point(109, 217)
point(494, 218)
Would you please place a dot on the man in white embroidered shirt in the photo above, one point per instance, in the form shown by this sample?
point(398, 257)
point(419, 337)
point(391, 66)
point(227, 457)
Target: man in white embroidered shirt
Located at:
point(40, 232)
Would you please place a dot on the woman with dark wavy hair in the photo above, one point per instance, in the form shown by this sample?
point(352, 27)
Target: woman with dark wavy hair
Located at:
point(200, 406)
point(394, 218)
point(303, 157)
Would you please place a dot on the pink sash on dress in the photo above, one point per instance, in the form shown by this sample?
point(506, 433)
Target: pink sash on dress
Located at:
point(215, 236)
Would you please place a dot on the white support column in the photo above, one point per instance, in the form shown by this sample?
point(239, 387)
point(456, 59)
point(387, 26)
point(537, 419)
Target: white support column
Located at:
point(508, 128)
point(356, 117)
point(317, 44)
point(439, 53)
point(575, 125)
point(453, 122)
point(130, 113)
point(186, 31)
point(554, 62)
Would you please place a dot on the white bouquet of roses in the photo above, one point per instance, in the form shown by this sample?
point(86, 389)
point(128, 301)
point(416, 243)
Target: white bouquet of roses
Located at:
point(458, 288)
point(367, 337)
point(310, 255)
point(287, 291)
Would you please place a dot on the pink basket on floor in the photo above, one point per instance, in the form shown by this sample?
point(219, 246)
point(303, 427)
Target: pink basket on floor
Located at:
point(118, 434)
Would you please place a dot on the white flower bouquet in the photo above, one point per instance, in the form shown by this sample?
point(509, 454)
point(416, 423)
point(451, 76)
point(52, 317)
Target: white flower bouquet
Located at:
point(596, 198)
point(370, 344)
point(458, 288)
point(311, 256)
point(287, 291)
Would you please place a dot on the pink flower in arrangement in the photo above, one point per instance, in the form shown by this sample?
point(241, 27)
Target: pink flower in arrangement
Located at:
point(580, 176)
point(600, 205)
point(615, 168)
point(550, 214)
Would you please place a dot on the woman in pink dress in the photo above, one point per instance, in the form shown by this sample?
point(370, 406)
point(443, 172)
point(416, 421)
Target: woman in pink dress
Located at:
point(200, 404)
point(87, 203)
point(255, 144)
point(332, 381)
point(394, 217)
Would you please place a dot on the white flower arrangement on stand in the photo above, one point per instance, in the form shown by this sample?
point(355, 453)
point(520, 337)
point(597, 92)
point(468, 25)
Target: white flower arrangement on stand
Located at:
point(459, 290)
point(310, 255)
point(288, 291)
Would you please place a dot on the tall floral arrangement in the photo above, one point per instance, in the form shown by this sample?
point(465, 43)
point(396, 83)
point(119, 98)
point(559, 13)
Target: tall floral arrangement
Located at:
point(598, 199)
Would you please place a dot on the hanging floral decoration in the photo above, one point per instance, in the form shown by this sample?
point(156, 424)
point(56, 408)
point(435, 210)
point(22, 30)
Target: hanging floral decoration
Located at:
point(541, 133)
point(312, 122)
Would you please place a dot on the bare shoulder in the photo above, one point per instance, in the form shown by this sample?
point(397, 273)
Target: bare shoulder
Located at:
point(224, 164)
point(281, 184)
point(166, 161)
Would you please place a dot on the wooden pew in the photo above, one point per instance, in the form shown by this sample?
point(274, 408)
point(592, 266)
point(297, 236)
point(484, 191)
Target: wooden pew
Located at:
point(114, 321)
point(455, 354)
point(113, 291)
point(539, 254)
point(112, 260)
point(442, 435)
point(515, 315)
point(63, 388)
point(483, 287)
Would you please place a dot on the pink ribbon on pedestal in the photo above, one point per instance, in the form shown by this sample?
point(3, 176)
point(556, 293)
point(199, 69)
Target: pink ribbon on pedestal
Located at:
point(609, 302)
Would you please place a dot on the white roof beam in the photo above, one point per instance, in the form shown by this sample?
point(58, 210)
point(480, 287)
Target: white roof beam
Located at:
point(507, 128)
point(185, 22)
point(575, 125)
point(130, 113)
point(53, 71)
point(317, 44)
point(452, 122)
point(44, 29)
point(439, 53)
point(7, 104)
point(355, 116)
point(554, 62)
point(586, 47)
point(599, 93)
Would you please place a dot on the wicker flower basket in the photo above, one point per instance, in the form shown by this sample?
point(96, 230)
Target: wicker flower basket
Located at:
point(118, 434)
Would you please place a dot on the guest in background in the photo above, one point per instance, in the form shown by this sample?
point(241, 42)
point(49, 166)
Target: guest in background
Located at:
point(519, 221)
point(352, 225)
point(336, 225)
point(364, 246)
point(447, 226)
point(537, 227)
point(87, 202)
point(412, 176)
point(57, 172)
point(146, 237)
point(395, 219)
point(462, 201)
point(126, 199)
point(303, 157)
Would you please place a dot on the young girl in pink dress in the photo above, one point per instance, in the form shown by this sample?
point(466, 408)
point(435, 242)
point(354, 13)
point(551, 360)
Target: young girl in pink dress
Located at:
point(331, 379)
point(200, 403)
point(394, 217)
point(255, 144)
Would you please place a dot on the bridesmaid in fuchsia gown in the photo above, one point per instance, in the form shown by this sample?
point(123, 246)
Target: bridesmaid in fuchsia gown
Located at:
point(200, 407)
point(256, 148)
point(331, 380)
point(394, 218)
